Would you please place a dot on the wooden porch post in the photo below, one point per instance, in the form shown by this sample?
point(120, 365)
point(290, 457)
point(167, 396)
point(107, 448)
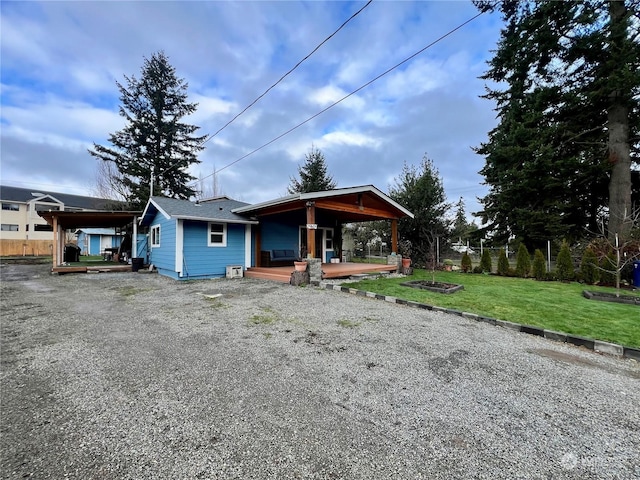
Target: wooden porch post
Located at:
point(55, 241)
point(311, 233)
point(394, 235)
point(258, 259)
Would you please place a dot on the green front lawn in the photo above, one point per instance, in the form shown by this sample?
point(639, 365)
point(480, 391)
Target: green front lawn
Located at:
point(551, 305)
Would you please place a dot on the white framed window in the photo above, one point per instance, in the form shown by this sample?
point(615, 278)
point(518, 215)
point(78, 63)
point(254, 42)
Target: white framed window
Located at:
point(217, 235)
point(155, 236)
point(7, 227)
point(14, 207)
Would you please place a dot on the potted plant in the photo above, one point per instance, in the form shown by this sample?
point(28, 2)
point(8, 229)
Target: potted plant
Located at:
point(448, 264)
point(404, 249)
point(301, 263)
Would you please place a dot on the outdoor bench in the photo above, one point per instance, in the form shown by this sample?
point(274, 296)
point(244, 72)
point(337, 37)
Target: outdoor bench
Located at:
point(277, 258)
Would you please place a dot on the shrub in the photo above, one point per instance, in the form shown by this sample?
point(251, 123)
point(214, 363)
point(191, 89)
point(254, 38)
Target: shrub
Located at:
point(503, 263)
point(608, 269)
point(485, 261)
point(589, 267)
point(523, 261)
point(564, 264)
point(465, 263)
point(539, 265)
point(478, 269)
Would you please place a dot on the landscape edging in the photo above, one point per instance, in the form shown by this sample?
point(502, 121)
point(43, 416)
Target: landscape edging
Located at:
point(599, 346)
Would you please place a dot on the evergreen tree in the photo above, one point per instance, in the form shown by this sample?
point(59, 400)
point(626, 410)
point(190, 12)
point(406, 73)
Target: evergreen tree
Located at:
point(154, 143)
point(523, 261)
point(420, 190)
point(503, 263)
point(569, 118)
point(466, 264)
point(313, 175)
point(564, 263)
point(589, 267)
point(539, 265)
point(461, 227)
point(485, 261)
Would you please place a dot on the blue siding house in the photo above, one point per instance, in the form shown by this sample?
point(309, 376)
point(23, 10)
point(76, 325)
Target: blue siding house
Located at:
point(190, 240)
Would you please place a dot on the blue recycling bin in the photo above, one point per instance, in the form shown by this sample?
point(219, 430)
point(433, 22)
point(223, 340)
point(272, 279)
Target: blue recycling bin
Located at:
point(636, 274)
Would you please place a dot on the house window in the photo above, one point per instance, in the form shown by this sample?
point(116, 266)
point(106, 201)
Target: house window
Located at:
point(14, 207)
point(329, 239)
point(8, 227)
point(155, 236)
point(42, 228)
point(46, 207)
point(217, 235)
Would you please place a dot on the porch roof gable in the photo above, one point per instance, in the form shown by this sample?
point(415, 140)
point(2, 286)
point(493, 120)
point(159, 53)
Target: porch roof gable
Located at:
point(356, 203)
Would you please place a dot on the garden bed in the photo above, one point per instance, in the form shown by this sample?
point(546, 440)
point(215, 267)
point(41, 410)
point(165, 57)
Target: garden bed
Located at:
point(439, 287)
point(611, 297)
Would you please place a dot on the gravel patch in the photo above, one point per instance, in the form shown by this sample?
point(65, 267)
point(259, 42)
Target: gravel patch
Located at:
point(133, 376)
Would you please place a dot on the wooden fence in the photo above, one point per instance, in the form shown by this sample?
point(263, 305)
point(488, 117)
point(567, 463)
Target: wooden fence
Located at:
point(10, 248)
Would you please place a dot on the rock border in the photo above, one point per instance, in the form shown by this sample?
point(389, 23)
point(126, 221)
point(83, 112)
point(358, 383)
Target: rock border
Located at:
point(589, 343)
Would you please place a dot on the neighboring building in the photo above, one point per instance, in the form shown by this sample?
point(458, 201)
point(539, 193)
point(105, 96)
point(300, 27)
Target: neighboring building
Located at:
point(23, 231)
point(95, 241)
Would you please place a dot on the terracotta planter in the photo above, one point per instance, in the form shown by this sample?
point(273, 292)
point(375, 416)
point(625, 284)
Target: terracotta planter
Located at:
point(300, 266)
point(406, 262)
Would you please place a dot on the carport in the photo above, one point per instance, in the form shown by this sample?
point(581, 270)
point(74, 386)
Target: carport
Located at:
point(61, 221)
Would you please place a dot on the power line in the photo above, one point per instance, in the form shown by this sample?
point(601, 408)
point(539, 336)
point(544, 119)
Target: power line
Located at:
point(286, 74)
point(450, 32)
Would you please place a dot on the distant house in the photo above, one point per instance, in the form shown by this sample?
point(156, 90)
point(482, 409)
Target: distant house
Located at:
point(23, 231)
point(200, 239)
point(94, 241)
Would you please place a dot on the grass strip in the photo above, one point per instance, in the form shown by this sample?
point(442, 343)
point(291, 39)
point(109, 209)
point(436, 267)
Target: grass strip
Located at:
point(551, 305)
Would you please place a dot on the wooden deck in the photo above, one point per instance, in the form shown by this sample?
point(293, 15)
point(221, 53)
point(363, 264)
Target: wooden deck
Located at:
point(85, 269)
point(329, 270)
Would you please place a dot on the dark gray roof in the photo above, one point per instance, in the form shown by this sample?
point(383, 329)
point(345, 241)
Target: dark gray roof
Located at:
point(217, 209)
point(24, 195)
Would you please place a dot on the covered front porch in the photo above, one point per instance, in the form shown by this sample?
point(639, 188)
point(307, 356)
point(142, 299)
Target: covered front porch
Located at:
point(329, 271)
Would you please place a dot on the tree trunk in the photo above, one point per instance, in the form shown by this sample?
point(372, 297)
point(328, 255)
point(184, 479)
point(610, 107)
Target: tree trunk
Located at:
point(619, 151)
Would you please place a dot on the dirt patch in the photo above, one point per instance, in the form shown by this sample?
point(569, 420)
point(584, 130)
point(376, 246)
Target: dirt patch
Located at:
point(439, 287)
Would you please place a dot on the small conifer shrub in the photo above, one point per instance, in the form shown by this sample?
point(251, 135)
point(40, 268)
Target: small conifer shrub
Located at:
point(589, 271)
point(503, 263)
point(564, 264)
point(539, 265)
point(465, 263)
point(485, 261)
point(608, 269)
point(523, 262)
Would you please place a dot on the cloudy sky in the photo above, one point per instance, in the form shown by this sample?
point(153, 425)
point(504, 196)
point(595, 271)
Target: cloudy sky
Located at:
point(60, 62)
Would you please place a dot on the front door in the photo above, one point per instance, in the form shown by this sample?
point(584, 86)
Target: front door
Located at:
point(324, 242)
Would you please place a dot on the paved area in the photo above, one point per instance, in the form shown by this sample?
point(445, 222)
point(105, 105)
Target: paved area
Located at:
point(136, 376)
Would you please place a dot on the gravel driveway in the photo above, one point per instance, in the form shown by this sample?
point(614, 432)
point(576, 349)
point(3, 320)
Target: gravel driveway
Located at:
point(134, 376)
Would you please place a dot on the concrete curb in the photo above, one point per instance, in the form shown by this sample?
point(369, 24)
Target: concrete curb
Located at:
point(591, 344)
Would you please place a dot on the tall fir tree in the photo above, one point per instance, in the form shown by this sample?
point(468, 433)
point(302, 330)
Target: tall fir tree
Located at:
point(155, 147)
point(313, 174)
point(568, 109)
point(421, 191)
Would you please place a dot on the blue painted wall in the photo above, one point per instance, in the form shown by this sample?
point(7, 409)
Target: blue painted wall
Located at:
point(163, 257)
point(279, 235)
point(203, 261)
